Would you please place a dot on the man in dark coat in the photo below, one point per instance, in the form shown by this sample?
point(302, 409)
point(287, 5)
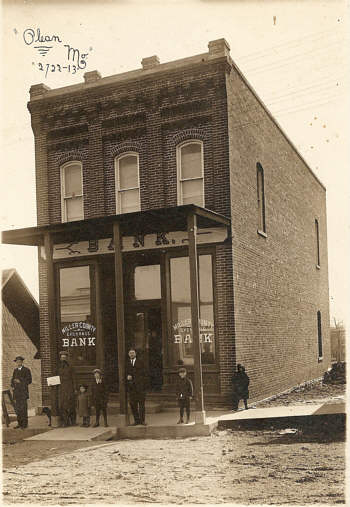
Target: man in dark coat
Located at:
point(99, 397)
point(240, 383)
point(136, 384)
point(20, 381)
point(66, 394)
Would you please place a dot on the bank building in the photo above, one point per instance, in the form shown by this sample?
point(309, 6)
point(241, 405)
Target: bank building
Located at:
point(175, 216)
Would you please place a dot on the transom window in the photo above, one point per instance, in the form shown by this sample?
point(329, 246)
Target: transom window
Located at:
point(72, 200)
point(190, 173)
point(127, 183)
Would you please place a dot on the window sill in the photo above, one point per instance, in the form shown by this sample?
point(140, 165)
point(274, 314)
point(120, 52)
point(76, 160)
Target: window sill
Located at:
point(262, 233)
point(320, 359)
point(318, 266)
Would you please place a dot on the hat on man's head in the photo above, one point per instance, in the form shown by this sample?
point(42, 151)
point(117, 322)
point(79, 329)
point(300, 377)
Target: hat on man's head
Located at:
point(20, 358)
point(63, 353)
point(97, 370)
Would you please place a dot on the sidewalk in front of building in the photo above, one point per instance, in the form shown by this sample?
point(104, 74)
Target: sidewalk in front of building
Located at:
point(164, 424)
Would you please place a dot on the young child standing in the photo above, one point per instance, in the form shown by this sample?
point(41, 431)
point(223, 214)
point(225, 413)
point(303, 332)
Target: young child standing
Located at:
point(184, 393)
point(83, 405)
point(99, 397)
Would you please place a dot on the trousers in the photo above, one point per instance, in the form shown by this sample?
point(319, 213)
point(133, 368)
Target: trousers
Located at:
point(99, 409)
point(184, 404)
point(137, 405)
point(21, 408)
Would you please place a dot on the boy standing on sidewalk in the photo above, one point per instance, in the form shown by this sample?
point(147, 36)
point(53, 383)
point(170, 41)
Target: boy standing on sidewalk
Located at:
point(184, 393)
point(99, 396)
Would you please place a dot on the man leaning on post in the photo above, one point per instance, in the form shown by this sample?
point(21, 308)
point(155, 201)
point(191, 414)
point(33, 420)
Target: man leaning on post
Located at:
point(20, 381)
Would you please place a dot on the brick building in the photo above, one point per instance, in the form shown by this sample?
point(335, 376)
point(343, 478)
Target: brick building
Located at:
point(135, 174)
point(20, 333)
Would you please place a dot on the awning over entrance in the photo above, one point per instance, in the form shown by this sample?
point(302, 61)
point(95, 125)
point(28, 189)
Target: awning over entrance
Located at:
point(194, 221)
point(141, 222)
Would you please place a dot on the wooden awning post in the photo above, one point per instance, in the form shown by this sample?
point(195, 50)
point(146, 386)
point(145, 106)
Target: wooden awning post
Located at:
point(199, 414)
point(119, 294)
point(52, 323)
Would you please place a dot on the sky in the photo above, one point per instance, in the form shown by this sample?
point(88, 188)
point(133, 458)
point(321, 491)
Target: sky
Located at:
point(294, 54)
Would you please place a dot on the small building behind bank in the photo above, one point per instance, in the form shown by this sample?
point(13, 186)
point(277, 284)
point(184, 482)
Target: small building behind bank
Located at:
point(20, 333)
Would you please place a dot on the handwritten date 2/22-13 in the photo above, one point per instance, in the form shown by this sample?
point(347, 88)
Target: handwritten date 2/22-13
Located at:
point(50, 67)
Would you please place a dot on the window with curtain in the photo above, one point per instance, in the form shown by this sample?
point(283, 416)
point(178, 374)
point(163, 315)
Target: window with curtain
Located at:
point(190, 169)
point(72, 199)
point(261, 198)
point(127, 182)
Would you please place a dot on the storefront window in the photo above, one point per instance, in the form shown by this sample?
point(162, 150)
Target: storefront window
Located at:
point(77, 329)
point(181, 347)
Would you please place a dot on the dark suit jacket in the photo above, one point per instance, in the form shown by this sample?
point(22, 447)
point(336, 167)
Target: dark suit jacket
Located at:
point(99, 394)
point(20, 390)
point(137, 372)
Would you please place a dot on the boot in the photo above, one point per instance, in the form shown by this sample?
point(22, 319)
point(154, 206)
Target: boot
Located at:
point(97, 423)
point(187, 419)
point(180, 421)
point(106, 424)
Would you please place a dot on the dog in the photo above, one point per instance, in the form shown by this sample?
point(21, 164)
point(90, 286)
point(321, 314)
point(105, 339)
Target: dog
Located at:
point(47, 411)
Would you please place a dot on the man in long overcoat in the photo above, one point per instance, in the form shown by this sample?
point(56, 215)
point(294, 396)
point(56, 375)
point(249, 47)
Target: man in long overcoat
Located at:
point(240, 383)
point(20, 381)
point(136, 384)
point(66, 394)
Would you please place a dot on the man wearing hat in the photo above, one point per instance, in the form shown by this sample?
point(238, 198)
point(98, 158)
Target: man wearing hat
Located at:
point(99, 397)
point(20, 381)
point(66, 396)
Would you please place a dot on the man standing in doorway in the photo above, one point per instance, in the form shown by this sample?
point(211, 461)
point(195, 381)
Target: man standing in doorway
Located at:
point(20, 381)
point(136, 382)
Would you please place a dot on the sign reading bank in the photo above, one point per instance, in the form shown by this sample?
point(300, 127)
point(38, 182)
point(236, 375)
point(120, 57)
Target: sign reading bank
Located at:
point(79, 334)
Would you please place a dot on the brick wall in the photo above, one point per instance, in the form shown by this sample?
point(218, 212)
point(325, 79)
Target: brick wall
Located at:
point(268, 289)
point(15, 342)
point(277, 286)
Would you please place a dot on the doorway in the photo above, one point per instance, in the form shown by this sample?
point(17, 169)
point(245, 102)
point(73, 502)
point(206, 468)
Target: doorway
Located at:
point(144, 332)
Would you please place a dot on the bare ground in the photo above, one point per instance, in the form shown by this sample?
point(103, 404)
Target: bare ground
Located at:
point(270, 467)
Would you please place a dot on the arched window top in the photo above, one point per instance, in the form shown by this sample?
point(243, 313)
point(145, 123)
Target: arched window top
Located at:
point(190, 172)
point(127, 182)
point(72, 200)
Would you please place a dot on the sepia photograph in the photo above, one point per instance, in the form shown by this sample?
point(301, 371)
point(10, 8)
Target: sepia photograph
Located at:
point(175, 252)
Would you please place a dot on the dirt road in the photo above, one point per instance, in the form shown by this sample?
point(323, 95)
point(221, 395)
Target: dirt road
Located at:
point(307, 467)
point(240, 467)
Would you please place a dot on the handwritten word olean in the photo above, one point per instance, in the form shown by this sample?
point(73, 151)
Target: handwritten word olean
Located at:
point(72, 61)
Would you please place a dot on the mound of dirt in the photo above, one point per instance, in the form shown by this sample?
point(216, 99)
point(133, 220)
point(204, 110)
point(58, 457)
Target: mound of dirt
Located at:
point(336, 375)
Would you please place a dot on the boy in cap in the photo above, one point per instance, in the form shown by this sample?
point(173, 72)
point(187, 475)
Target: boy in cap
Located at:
point(21, 378)
point(184, 393)
point(99, 397)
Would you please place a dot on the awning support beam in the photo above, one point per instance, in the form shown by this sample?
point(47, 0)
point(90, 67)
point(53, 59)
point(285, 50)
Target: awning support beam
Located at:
point(52, 323)
point(119, 295)
point(199, 413)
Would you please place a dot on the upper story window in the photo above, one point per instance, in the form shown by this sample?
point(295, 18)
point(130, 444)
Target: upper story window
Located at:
point(127, 183)
point(72, 200)
point(261, 198)
point(317, 237)
point(190, 173)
